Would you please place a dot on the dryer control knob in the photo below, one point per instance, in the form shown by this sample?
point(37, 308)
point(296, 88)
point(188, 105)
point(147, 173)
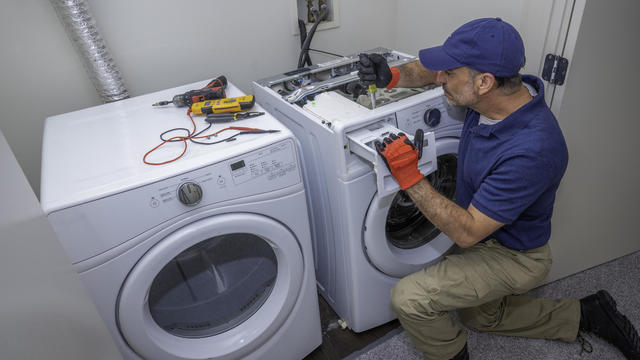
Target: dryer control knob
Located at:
point(190, 193)
point(432, 117)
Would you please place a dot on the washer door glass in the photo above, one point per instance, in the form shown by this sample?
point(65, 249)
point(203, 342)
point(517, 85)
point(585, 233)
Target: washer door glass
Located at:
point(406, 227)
point(213, 286)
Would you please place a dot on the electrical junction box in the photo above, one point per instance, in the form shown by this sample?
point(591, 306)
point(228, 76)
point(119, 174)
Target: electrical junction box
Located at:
point(300, 9)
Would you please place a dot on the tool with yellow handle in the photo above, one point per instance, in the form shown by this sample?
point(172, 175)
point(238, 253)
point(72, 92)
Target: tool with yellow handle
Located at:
point(233, 104)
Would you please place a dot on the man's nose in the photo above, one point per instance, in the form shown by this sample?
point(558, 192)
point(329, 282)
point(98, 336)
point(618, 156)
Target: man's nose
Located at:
point(441, 77)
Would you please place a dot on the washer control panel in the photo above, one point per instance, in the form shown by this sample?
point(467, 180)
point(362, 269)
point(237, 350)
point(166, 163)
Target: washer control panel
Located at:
point(430, 115)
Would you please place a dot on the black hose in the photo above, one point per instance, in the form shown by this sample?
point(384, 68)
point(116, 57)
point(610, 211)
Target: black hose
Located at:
point(307, 42)
point(303, 32)
point(303, 36)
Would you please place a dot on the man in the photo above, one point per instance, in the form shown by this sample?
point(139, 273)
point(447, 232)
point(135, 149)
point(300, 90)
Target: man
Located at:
point(512, 156)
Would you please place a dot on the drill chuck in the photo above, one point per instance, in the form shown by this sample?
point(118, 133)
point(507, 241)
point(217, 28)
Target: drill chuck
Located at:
point(181, 100)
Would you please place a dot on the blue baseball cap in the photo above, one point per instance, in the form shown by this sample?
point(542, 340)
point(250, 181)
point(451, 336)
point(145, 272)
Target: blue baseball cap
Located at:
point(488, 45)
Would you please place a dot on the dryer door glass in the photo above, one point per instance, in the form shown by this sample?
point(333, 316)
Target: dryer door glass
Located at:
point(406, 227)
point(213, 286)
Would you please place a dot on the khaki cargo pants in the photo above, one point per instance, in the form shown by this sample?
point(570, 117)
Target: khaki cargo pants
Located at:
point(482, 283)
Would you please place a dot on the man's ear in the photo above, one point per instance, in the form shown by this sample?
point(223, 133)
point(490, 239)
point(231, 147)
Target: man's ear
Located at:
point(484, 83)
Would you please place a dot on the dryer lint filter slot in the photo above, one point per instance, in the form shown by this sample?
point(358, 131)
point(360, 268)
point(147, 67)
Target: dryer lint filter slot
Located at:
point(361, 143)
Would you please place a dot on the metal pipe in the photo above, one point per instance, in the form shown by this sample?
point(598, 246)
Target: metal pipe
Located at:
point(83, 33)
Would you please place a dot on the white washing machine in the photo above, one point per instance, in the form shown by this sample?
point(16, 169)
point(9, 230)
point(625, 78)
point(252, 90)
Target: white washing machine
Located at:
point(367, 234)
point(207, 257)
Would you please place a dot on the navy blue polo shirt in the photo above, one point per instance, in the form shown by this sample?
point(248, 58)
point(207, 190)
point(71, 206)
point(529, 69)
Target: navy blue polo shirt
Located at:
point(510, 171)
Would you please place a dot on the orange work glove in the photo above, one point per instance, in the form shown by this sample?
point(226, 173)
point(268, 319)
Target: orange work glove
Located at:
point(401, 157)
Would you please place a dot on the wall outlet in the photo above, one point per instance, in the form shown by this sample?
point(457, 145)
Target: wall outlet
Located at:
point(300, 10)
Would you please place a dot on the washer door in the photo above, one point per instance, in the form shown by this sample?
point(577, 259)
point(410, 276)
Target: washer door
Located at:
point(398, 239)
point(215, 289)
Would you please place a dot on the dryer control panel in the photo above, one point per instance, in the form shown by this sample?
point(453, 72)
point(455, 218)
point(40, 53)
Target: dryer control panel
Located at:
point(260, 171)
point(113, 220)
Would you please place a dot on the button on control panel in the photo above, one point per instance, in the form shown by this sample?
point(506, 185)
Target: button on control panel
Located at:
point(432, 117)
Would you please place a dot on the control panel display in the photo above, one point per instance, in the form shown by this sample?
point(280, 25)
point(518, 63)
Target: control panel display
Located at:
point(237, 165)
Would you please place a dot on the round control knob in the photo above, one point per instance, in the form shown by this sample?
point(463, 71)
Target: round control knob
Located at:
point(190, 193)
point(432, 117)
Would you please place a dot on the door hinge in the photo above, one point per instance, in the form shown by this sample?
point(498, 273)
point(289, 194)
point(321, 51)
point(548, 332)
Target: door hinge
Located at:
point(555, 69)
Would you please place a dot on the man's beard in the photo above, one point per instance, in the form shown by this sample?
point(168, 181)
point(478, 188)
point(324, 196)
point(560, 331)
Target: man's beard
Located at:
point(467, 99)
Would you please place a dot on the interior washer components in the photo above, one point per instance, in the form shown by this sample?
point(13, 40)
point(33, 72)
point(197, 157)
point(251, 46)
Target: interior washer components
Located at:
point(209, 257)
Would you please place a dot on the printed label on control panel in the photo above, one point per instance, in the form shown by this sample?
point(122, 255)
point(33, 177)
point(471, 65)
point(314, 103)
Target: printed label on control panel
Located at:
point(430, 115)
point(271, 163)
point(413, 118)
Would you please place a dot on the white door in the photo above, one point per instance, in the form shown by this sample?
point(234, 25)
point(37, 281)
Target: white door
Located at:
point(215, 289)
point(398, 239)
point(598, 202)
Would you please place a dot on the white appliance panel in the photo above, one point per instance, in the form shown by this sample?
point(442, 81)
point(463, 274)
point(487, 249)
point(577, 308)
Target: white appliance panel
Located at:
point(120, 220)
point(107, 221)
point(109, 141)
point(341, 177)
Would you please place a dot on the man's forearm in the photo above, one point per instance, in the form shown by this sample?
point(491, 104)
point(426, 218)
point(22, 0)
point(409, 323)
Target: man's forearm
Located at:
point(414, 74)
point(453, 220)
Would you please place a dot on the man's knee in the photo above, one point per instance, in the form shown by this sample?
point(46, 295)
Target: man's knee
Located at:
point(408, 301)
point(483, 317)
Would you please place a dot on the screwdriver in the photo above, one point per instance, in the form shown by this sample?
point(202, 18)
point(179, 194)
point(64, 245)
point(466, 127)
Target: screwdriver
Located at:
point(229, 117)
point(213, 90)
point(372, 92)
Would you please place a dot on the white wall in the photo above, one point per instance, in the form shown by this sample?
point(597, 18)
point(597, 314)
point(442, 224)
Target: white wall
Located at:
point(160, 43)
point(426, 23)
point(157, 44)
point(45, 312)
point(41, 76)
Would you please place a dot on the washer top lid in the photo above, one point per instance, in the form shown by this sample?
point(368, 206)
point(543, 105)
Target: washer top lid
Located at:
point(96, 152)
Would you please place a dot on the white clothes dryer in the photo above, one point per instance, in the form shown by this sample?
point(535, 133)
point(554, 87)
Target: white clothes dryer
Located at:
point(367, 234)
point(207, 257)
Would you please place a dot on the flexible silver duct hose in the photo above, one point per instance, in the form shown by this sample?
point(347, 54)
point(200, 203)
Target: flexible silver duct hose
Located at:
point(83, 32)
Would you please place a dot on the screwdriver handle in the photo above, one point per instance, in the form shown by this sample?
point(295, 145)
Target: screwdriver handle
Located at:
point(220, 119)
point(220, 81)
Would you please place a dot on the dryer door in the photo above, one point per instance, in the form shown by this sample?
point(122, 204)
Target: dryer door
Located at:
point(215, 289)
point(399, 240)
